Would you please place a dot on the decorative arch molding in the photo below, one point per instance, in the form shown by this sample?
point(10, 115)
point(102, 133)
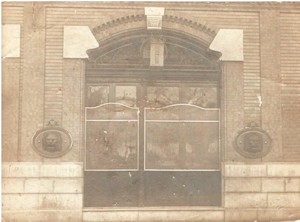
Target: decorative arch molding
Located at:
point(200, 31)
point(130, 48)
point(123, 46)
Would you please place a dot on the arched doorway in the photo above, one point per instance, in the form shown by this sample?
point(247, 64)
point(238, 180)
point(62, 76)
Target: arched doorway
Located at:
point(152, 131)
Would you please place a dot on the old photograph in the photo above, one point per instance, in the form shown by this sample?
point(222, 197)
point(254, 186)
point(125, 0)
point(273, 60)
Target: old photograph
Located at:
point(150, 111)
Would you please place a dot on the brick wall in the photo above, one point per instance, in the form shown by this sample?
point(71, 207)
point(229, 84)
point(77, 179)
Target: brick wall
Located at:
point(270, 81)
point(73, 106)
point(12, 76)
point(290, 79)
point(10, 104)
point(233, 115)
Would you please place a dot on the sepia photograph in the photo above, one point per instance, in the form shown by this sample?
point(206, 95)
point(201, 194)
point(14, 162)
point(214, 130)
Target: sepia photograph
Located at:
point(150, 111)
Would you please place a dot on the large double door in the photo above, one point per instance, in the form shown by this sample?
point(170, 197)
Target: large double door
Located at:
point(152, 143)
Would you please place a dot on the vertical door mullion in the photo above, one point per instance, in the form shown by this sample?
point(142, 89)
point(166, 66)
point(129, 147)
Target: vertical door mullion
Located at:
point(141, 93)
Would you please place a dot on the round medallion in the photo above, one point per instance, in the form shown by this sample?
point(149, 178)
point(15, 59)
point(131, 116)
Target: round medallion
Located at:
point(52, 142)
point(253, 142)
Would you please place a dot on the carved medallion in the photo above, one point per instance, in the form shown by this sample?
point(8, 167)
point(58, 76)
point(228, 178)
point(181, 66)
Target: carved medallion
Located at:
point(52, 141)
point(253, 142)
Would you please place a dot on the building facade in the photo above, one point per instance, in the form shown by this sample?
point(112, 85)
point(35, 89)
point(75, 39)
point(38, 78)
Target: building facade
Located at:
point(154, 111)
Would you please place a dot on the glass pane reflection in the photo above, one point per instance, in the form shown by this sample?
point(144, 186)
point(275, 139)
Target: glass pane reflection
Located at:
point(97, 95)
point(111, 145)
point(173, 145)
point(200, 96)
point(126, 95)
point(162, 96)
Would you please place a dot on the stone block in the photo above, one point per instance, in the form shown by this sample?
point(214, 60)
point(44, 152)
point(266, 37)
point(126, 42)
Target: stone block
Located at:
point(16, 169)
point(273, 185)
point(20, 201)
point(61, 170)
point(279, 214)
point(284, 200)
point(245, 200)
point(242, 184)
point(38, 169)
point(12, 185)
point(45, 216)
point(68, 185)
point(60, 201)
point(284, 170)
point(292, 184)
point(41, 201)
point(34, 185)
point(240, 215)
point(69, 216)
point(118, 216)
point(149, 215)
point(242, 170)
point(217, 215)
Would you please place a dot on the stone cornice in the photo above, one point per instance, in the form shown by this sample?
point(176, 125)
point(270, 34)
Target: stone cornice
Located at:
point(167, 18)
point(119, 21)
point(190, 23)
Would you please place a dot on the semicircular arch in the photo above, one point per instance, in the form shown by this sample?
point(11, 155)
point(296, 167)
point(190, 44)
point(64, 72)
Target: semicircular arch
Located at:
point(198, 30)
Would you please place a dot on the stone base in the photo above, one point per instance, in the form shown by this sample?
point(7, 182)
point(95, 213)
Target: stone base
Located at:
point(152, 215)
point(34, 191)
point(54, 192)
point(42, 216)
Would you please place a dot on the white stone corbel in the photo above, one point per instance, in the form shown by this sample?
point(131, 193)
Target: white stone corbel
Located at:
point(154, 17)
point(11, 41)
point(230, 43)
point(77, 40)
